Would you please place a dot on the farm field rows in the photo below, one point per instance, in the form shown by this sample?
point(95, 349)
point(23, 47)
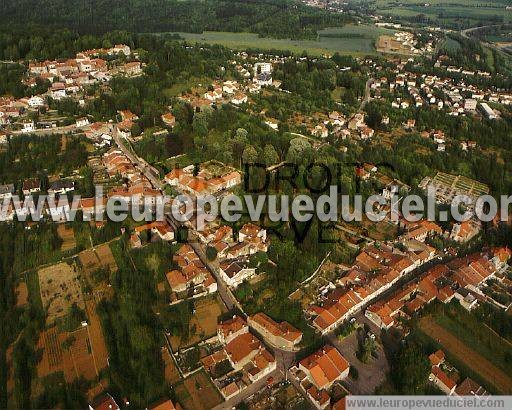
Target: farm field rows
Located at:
point(467, 355)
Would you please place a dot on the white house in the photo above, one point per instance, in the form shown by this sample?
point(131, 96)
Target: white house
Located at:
point(28, 126)
point(82, 122)
point(35, 101)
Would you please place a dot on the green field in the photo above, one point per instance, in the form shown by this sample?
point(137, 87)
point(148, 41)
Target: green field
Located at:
point(451, 14)
point(350, 39)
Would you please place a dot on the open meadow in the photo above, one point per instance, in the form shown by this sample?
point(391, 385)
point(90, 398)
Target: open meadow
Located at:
point(350, 39)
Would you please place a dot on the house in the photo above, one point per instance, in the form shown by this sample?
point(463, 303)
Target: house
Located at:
point(470, 388)
point(251, 231)
point(437, 358)
point(230, 390)
point(127, 115)
point(231, 328)
point(254, 88)
point(239, 98)
point(356, 122)
point(35, 101)
point(132, 68)
point(120, 48)
point(324, 367)
point(31, 186)
point(282, 335)
point(104, 402)
point(262, 67)
point(320, 131)
point(165, 404)
point(366, 133)
point(28, 126)
point(466, 299)
point(61, 187)
point(272, 123)
point(58, 91)
point(336, 118)
point(464, 231)
point(6, 191)
point(176, 280)
point(169, 120)
point(261, 365)
point(488, 111)
point(470, 104)
point(82, 122)
point(264, 79)
point(235, 271)
point(92, 206)
point(320, 398)
point(125, 129)
point(230, 87)
point(442, 380)
point(242, 349)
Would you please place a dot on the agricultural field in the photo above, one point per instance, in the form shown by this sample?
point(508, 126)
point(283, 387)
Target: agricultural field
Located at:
point(350, 39)
point(197, 392)
point(473, 344)
point(203, 323)
point(172, 375)
point(93, 260)
point(67, 235)
point(455, 14)
point(60, 289)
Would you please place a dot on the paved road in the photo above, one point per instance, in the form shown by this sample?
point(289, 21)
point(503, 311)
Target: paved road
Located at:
point(467, 34)
point(367, 95)
point(149, 172)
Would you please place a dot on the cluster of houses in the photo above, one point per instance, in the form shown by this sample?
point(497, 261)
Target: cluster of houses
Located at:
point(319, 372)
point(67, 78)
point(462, 279)
point(137, 186)
point(376, 269)
point(233, 252)
point(457, 97)
point(245, 355)
point(249, 361)
point(205, 179)
point(405, 42)
point(191, 278)
point(445, 377)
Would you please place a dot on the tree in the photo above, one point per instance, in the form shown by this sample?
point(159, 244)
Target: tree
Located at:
point(411, 370)
point(299, 151)
point(211, 253)
point(270, 156)
point(250, 155)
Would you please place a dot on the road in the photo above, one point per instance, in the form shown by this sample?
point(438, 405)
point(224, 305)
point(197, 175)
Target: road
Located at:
point(467, 34)
point(148, 171)
point(367, 95)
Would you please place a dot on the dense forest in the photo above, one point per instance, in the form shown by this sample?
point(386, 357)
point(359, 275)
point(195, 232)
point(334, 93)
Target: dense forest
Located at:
point(283, 18)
